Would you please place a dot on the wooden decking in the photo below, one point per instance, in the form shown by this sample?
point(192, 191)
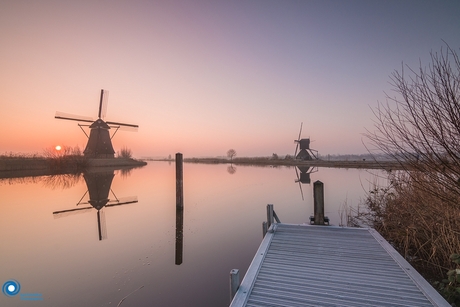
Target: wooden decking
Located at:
point(304, 265)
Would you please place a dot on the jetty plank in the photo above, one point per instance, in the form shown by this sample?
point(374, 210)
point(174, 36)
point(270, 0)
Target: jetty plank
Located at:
point(306, 265)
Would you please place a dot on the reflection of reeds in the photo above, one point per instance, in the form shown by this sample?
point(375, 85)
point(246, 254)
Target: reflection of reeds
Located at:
point(125, 172)
point(20, 180)
point(422, 226)
point(64, 181)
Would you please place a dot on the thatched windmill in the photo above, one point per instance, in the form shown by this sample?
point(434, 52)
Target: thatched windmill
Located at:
point(99, 140)
point(305, 153)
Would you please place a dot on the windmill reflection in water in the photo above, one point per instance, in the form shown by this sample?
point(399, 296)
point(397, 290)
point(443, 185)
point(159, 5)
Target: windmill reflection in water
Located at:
point(99, 187)
point(305, 154)
point(304, 176)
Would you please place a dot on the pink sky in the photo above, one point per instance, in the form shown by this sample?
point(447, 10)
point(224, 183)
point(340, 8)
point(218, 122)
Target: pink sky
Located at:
point(205, 77)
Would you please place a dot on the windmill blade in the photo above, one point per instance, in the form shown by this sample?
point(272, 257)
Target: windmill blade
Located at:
point(63, 213)
point(101, 225)
point(298, 180)
point(122, 124)
point(298, 140)
point(78, 118)
point(297, 174)
point(103, 104)
point(301, 191)
point(125, 128)
point(122, 199)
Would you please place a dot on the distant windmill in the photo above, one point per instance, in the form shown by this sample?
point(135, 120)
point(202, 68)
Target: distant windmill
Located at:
point(305, 153)
point(99, 187)
point(99, 140)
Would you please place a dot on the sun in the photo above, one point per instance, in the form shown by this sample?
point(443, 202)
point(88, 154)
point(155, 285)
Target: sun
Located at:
point(58, 147)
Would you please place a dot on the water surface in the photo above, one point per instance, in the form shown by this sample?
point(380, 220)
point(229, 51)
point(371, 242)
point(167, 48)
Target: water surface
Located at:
point(70, 261)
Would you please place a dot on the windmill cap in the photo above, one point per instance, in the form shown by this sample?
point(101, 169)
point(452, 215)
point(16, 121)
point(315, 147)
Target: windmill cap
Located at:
point(99, 123)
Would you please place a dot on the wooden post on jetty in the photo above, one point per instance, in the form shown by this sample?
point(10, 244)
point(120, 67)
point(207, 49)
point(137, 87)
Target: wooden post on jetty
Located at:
point(234, 282)
point(270, 217)
point(318, 195)
point(179, 209)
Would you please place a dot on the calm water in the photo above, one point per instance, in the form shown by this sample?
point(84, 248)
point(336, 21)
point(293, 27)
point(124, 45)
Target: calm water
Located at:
point(57, 254)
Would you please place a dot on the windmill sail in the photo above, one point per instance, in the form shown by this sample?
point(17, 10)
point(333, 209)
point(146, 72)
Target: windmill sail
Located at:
point(99, 140)
point(67, 116)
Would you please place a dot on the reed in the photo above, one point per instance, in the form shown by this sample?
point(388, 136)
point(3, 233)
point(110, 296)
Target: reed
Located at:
point(423, 226)
point(66, 159)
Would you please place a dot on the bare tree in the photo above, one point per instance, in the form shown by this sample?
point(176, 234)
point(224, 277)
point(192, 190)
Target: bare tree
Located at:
point(421, 127)
point(231, 153)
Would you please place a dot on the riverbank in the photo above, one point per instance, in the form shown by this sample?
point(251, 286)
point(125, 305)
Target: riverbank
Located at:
point(11, 167)
point(266, 161)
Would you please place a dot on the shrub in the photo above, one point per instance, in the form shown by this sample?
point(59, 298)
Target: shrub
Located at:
point(125, 153)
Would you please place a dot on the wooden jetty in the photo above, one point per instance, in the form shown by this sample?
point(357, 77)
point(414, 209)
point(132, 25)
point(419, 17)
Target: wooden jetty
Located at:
point(311, 265)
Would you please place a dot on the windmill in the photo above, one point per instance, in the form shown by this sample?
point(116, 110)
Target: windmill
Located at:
point(99, 140)
point(304, 177)
point(305, 153)
point(99, 188)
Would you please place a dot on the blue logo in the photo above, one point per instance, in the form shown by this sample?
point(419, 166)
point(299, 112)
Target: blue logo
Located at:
point(11, 288)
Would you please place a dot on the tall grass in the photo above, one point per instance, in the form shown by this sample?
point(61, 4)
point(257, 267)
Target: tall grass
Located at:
point(14, 155)
point(68, 158)
point(422, 226)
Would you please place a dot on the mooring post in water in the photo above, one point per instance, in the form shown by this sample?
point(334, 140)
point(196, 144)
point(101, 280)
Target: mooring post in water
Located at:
point(179, 209)
point(179, 181)
point(269, 215)
point(179, 235)
point(234, 282)
point(318, 195)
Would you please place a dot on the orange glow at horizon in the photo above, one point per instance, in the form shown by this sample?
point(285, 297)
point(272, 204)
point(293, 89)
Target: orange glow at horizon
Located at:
point(209, 77)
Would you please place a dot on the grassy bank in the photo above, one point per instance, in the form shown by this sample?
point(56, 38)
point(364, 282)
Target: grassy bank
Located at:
point(269, 161)
point(20, 166)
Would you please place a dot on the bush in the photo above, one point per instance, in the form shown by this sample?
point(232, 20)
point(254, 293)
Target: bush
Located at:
point(125, 153)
